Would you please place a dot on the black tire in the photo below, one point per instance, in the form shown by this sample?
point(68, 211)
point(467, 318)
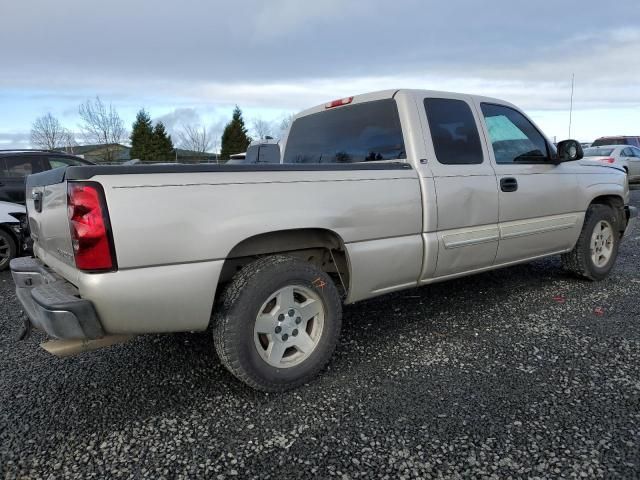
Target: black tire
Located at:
point(236, 313)
point(9, 243)
point(579, 261)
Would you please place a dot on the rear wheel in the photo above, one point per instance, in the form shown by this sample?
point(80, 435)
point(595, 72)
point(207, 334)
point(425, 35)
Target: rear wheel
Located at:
point(596, 251)
point(8, 249)
point(278, 323)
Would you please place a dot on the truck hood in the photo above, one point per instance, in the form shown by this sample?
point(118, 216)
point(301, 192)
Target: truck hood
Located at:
point(8, 207)
point(597, 162)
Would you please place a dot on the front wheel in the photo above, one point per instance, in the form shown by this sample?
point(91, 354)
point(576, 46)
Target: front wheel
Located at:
point(278, 323)
point(8, 249)
point(596, 250)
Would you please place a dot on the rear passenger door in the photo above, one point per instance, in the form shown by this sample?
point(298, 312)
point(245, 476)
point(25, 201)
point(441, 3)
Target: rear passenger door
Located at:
point(13, 174)
point(539, 199)
point(465, 185)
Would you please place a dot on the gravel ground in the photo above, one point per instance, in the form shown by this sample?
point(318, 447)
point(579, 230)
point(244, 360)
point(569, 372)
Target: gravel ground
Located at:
point(524, 372)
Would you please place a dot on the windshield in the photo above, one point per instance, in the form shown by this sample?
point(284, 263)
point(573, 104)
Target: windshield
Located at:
point(597, 152)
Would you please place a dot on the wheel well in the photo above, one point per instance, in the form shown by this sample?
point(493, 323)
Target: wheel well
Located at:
point(12, 234)
point(323, 248)
point(617, 204)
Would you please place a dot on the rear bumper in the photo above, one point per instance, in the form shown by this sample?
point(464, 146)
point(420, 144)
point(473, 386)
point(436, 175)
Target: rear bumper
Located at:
point(632, 216)
point(52, 303)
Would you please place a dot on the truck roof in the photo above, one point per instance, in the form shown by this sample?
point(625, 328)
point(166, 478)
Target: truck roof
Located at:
point(391, 93)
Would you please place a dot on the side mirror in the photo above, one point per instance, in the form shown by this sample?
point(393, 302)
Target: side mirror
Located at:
point(569, 150)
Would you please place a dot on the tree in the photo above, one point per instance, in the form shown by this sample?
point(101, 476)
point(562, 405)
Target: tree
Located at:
point(48, 133)
point(234, 137)
point(69, 141)
point(261, 128)
point(286, 122)
point(195, 138)
point(102, 125)
point(142, 140)
point(161, 144)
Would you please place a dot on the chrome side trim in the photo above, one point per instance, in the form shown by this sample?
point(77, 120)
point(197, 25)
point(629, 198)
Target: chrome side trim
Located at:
point(521, 228)
point(465, 237)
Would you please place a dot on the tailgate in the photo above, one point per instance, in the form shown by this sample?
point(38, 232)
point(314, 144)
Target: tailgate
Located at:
point(46, 197)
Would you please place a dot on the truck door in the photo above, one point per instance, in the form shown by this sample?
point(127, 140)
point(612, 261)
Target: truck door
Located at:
point(465, 186)
point(539, 199)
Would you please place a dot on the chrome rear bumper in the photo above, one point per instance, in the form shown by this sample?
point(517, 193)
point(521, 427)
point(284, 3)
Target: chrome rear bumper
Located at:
point(53, 304)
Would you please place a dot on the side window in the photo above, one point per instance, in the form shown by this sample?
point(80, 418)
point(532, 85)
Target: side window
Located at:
point(513, 137)
point(3, 168)
point(57, 162)
point(20, 167)
point(635, 151)
point(362, 132)
point(626, 152)
point(453, 131)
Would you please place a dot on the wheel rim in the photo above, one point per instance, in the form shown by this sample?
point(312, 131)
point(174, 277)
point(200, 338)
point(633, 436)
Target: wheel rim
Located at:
point(602, 243)
point(5, 251)
point(289, 326)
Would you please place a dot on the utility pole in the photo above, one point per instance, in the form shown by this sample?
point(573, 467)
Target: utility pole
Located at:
point(571, 104)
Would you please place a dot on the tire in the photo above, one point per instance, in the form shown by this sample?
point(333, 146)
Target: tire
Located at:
point(580, 260)
point(8, 249)
point(259, 331)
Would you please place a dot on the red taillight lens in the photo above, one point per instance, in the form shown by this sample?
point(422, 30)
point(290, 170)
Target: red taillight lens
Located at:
point(339, 103)
point(608, 160)
point(89, 224)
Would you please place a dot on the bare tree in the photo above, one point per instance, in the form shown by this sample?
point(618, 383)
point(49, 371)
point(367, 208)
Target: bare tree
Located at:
point(69, 141)
point(285, 124)
point(195, 138)
point(47, 132)
point(261, 128)
point(102, 125)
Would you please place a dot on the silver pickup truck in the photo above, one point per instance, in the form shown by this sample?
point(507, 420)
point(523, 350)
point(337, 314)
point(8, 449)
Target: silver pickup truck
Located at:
point(375, 193)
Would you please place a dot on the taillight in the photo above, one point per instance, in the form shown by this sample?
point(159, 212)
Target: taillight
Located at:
point(339, 103)
point(90, 227)
point(608, 160)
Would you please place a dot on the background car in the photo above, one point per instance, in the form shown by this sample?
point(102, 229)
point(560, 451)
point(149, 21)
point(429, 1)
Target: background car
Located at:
point(624, 156)
point(15, 165)
point(619, 140)
point(259, 151)
point(12, 237)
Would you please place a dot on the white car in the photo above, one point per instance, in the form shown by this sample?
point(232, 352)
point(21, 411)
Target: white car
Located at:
point(624, 156)
point(11, 237)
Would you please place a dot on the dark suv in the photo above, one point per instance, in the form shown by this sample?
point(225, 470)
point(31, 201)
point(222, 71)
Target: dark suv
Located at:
point(15, 165)
point(621, 140)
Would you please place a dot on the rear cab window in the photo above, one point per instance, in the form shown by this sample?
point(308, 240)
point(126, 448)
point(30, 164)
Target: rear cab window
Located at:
point(453, 131)
point(363, 132)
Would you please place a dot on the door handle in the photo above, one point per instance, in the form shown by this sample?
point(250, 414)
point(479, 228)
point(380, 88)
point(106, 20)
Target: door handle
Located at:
point(508, 184)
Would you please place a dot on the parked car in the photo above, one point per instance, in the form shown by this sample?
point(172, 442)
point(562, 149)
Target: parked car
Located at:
point(626, 157)
point(12, 239)
point(620, 140)
point(15, 165)
point(377, 193)
point(259, 151)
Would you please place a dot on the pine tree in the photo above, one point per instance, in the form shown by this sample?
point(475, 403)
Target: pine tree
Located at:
point(162, 146)
point(142, 137)
point(234, 137)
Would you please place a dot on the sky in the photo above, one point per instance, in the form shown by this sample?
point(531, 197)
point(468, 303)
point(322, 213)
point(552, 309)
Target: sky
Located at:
point(192, 61)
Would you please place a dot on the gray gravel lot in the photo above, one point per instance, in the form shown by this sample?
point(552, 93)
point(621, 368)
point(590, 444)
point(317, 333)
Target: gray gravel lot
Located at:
point(524, 372)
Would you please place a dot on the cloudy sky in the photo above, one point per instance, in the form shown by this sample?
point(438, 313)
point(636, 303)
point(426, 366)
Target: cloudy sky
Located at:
point(191, 61)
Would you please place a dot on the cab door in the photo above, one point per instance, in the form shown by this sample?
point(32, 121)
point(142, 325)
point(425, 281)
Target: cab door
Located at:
point(465, 187)
point(539, 199)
